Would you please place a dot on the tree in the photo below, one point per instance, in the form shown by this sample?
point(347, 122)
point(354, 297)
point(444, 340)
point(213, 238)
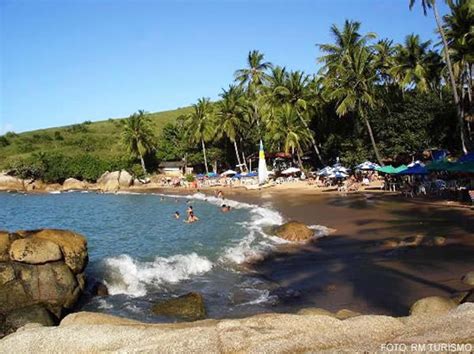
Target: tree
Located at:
point(200, 125)
point(230, 116)
point(137, 135)
point(431, 4)
point(255, 74)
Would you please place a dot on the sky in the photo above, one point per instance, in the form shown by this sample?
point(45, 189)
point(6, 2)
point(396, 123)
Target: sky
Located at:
point(68, 61)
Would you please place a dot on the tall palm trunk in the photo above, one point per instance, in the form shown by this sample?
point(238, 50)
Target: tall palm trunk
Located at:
point(372, 139)
point(205, 156)
point(238, 156)
point(300, 162)
point(457, 101)
point(142, 161)
point(313, 141)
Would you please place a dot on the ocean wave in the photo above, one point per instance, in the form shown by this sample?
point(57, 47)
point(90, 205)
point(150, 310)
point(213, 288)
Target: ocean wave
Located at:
point(125, 275)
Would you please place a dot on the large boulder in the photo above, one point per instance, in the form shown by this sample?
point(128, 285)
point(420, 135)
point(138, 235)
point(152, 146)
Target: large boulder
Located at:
point(188, 307)
point(34, 251)
point(41, 274)
point(294, 231)
point(11, 183)
point(125, 179)
point(432, 306)
point(74, 184)
point(113, 181)
point(468, 279)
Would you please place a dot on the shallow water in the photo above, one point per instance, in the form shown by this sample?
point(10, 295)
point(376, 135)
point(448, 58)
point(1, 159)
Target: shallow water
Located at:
point(143, 253)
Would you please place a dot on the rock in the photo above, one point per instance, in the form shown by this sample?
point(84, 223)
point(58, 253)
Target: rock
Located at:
point(412, 241)
point(23, 316)
point(74, 184)
point(40, 268)
point(188, 307)
point(34, 251)
point(345, 314)
point(125, 179)
point(433, 305)
point(468, 279)
point(73, 246)
point(294, 231)
point(439, 240)
point(94, 318)
point(391, 243)
point(109, 181)
point(100, 289)
point(314, 311)
point(4, 246)
point(8, 183)
point(53, 187)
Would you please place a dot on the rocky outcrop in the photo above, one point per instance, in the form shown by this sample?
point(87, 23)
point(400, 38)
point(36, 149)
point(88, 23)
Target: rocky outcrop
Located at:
point(267, 333)
point(189, 307)
point(41, 275)
point(432, 305)
point(10, 183)
point(74, 184)
point(294, 231)
point(113, 181)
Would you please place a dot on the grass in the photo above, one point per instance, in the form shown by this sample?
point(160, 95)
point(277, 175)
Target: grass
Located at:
point(101, 138)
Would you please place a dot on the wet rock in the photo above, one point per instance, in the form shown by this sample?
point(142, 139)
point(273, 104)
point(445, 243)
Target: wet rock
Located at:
point(99, 289)
point(189, 307)
point(391, 243)
point(412, 241)
point(294, 231)
point(4, 245)
point(34, 251)
point(468, 279)
point(439, 240)
point(314, 311)
point(433, 305)
point(74, 184)
point(345, 314)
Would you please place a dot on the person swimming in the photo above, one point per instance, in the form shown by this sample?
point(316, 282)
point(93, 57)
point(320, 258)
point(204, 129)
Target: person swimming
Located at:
point(225, 208)
point(191, 218)
point(176, 215)
point(189, 210)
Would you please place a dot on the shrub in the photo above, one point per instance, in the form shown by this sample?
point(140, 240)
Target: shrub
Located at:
point(4, 141)
point(58, 136)
point(190, 178)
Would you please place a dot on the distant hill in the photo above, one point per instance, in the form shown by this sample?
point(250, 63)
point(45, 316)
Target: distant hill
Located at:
point(102, 138)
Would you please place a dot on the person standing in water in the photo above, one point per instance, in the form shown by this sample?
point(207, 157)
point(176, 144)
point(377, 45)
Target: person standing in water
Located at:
point(191, 218)
point(176, 215)
point(189, 210)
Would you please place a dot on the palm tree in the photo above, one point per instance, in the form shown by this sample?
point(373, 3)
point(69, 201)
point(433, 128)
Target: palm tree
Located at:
point(255, 74)
point(411, 63)
point(200, 125)
point(431, 4)
point(353, 89)
point(231, 113)
point(294, 91)
point(384, 60)
point(138, 136)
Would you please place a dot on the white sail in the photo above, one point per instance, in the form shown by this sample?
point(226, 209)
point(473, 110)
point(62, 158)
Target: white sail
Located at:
point(262, 166)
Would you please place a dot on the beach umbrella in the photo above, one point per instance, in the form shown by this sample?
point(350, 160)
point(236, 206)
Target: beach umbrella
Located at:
point(338, 174)
point(367, 166)
point(415, 169)
point(440, 165)
point(290, 171)
point(464, 167)
point(251, 174)
point(228, 173)
point(326, 171)
point(469, 157)
point(212, 175)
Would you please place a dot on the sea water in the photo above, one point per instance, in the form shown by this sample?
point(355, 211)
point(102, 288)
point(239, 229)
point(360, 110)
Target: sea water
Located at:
point(143, 253)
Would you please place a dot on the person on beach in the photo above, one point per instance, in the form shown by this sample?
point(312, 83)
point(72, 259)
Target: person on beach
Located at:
point(220, 194)
point(176, 215)
point(191, 218)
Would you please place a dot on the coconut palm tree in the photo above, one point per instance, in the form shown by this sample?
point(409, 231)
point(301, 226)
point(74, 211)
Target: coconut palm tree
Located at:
point(431, 4)
point(138, 136)
point(411, 68)
point(384, 60)
point(231, 115)
point(353, 89)
point(255, 74)
point(200, 125)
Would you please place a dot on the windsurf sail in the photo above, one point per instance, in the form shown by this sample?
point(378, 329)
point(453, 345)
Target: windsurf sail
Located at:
point(262, 166)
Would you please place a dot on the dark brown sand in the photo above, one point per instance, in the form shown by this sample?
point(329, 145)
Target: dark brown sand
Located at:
point(352, 268)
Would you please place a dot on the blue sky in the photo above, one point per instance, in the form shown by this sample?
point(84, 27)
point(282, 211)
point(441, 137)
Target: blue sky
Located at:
point(67, 61)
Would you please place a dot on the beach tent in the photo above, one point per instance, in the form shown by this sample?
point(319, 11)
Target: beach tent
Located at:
point(440, 165)
point(415, 169)
point(326, 171)
point(290, 171)
point(389, 169)
point(367, 166)
point(212, 175)
point(469, 157)
point(464, 167)
point(338, 174)
point(228, 173)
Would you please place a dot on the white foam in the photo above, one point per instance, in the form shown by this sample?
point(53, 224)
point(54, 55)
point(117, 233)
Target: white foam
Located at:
point(126, 275)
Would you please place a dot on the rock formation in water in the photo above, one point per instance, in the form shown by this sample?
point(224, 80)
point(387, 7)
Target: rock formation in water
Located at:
point(10, 183)
point(188, 307)
point(41, 276)
point(113, 181)
point(74, 184)
point(294, 231)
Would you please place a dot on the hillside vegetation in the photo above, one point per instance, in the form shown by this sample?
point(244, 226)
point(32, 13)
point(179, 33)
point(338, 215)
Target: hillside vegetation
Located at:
point(100, 139)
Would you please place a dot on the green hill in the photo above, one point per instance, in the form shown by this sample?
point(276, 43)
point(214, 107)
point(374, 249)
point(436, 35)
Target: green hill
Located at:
point(101, 139)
